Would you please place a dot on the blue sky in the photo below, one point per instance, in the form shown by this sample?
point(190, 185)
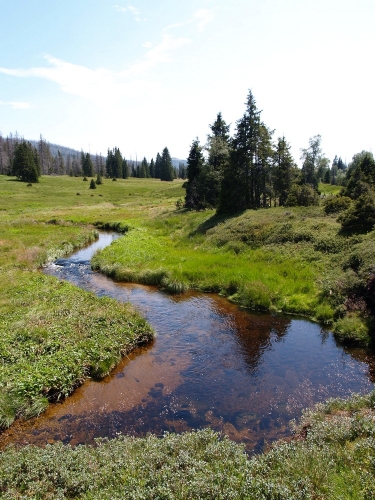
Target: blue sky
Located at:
point(148, 74)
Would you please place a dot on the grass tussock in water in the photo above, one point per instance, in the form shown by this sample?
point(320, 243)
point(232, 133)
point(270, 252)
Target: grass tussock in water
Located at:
point(331, 456)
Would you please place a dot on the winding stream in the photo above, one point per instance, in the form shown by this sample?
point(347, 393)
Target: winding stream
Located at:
point(211, 364)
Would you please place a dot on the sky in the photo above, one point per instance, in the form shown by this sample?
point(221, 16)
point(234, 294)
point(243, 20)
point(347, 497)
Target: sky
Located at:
point(143, 75)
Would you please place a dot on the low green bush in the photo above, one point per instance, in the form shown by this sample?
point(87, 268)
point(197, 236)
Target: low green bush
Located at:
point(336, 204)
point(352, 329)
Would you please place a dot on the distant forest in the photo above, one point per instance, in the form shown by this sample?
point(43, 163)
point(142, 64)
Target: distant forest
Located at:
point(53, 159)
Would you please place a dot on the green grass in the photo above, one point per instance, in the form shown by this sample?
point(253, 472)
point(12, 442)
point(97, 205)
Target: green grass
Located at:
point(329, 189)
point(53, 335)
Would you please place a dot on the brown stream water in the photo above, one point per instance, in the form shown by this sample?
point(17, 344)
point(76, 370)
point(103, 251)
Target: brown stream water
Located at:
point(210, 365)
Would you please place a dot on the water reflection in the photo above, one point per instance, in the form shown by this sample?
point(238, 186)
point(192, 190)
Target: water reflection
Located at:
point(211, 364)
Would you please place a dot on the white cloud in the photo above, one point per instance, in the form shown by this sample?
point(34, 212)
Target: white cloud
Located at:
point(101, 86)
point(203, 17)
point(130, 8)
point(161, 53)
point(16, 104)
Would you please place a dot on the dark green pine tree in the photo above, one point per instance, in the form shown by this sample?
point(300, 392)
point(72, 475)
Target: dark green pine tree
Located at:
point(88, 166)
point(109, 163)
point(218, 147)
point(144, 170)
point(60, 163)
point(361, 175)
point(152, 168)
point(241, 174)
point(194, 196)
point(26, 165)
point(283, 172)
point(166, 167)
point(263, 167)
point(117, 164)
point(158, 167)
point(125, 169)
point(82, 162)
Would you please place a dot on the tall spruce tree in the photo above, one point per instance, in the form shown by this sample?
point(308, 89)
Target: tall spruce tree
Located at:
point(218, 148)
point(144, 171)
point(152, 168)
point(166, 167)
point(284, 171)
point(240, 176)
point(125, 169)
point(158, 167)
point(87, 165)
point(26, 163)
point(194, 194)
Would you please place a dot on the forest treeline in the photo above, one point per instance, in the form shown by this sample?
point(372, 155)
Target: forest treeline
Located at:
point(28, 160)
point(251, 170)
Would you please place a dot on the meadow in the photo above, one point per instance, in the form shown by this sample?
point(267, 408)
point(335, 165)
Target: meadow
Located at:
point(53, 336)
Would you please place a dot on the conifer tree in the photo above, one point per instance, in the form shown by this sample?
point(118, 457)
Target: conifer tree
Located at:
point(25, 165)
point(158, 167)
point(284, 171)
point(152, 168)
point(87, 165)
point(194, 195)
point(125, 169)
point(239, 184)
point(144, 171)
point(166, 167)
point(218, 147)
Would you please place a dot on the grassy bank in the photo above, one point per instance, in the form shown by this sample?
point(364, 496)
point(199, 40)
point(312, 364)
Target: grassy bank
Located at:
point(52, 335)
point(332, 456)
point(294, 261)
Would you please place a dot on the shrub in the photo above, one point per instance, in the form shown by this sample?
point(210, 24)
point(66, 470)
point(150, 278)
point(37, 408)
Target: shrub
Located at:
point(336, 205)
point(352, 329)
point(361, 215)
point(303, 196)
point(92, 184)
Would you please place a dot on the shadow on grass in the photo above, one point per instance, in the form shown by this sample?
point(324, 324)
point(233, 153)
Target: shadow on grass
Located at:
point(214, 221)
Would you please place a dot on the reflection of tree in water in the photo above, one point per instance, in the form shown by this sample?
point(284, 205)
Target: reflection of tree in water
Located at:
point(256, 334)
point(363, 356)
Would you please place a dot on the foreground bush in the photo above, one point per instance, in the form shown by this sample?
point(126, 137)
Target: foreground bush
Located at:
point(331, 457)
